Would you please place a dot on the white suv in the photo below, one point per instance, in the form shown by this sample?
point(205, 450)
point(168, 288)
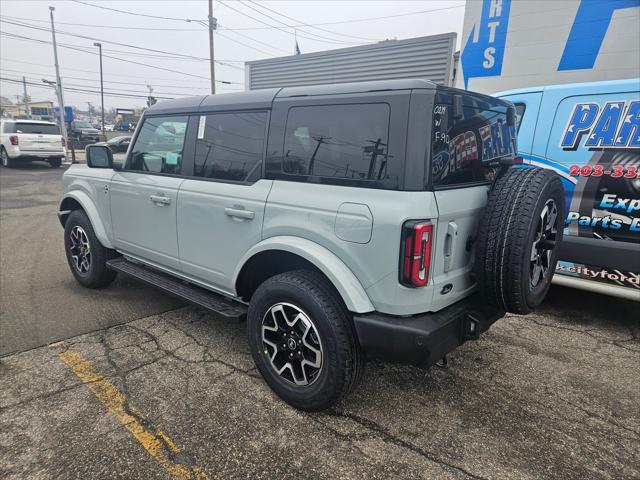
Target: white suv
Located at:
point(24, 140)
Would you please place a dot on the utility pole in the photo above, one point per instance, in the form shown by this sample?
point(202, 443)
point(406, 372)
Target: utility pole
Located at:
point(99, 45)
point(63, 125)
point(89, 110)
point(213, 23)
point(25, 98)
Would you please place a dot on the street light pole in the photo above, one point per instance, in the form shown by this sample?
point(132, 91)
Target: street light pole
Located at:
point(212, 27)
point(99, 45)
point(63, 125)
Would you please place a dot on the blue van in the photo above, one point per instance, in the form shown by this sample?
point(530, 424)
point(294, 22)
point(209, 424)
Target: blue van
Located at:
point(589, 133)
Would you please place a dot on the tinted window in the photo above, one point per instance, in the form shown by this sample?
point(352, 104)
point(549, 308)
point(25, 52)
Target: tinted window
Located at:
point(520, 108)
point(159, 145)
point(41, 128)
point(467, 144)
point(340, 141)
point(230, 145)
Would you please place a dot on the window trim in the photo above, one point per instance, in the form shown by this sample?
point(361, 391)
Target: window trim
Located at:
point(134, 139)
point(321, 179)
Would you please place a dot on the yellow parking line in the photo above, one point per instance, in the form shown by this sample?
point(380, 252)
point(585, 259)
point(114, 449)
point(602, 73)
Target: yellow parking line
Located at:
point(157, 444)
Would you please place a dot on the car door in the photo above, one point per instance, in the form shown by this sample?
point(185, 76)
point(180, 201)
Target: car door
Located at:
point(144, 192)
point(221, 208)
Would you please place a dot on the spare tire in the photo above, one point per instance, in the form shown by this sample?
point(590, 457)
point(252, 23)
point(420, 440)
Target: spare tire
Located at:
point(519, 238)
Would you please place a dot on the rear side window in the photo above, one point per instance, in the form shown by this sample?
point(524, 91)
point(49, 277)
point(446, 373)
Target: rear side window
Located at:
point(158, 146)
point(468, 139)
point(348, 142)
point(41, 128)
point(230, 146)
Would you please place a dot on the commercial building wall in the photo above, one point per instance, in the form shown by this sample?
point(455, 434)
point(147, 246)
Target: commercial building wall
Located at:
point(425, 57)
point(510, 44)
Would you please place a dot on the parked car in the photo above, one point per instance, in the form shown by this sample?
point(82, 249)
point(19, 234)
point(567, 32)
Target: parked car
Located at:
point(26, 140)
point(109, 128)
point(589, 134)
point(117, 144)
point(350, 221)
point(83, 132)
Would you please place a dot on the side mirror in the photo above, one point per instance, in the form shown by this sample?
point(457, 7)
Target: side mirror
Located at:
point(511, 116)
point(99, 156)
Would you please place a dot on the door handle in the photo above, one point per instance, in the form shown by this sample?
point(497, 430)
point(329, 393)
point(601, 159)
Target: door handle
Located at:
point(450, 245)
point(160, 200)
point(239, 212)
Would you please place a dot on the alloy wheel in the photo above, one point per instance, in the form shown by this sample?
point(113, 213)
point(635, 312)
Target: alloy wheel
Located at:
point(292, 344)
point(544, 243)
point(80, 250)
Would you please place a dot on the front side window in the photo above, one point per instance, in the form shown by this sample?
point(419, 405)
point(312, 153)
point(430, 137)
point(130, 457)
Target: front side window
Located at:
point(340, 141)
point(469, 138)
point(230, 146)
point(158, 147)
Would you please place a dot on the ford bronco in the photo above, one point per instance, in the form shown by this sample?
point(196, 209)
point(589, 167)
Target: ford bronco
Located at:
point(382, 220)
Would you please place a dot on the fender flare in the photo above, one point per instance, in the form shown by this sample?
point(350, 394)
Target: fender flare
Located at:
point(92, 212)
point(342, 278)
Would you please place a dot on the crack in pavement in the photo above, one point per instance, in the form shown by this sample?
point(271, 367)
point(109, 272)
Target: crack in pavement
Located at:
point(388, 437)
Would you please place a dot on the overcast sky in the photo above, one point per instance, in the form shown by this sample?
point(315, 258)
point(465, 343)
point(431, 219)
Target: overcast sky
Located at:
point(245, 33)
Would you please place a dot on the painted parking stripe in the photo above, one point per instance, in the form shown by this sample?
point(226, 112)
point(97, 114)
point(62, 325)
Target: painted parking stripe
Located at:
point(156, 443)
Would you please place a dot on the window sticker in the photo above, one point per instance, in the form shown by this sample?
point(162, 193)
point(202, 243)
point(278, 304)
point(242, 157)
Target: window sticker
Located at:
point(172, 158)
point(201, 125)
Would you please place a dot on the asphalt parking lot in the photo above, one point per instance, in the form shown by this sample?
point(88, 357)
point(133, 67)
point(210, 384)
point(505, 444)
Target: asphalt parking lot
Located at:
point(127, 383)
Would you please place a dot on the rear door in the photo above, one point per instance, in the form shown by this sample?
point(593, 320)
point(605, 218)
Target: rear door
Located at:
point(467, 143)
point(38, 137)
point(221, 207)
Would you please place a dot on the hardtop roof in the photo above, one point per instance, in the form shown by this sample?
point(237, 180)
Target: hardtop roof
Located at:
point(261, 99)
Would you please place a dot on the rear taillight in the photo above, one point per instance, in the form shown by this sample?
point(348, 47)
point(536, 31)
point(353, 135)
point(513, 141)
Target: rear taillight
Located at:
point(417, 237)
point(64, 144)
point(13, 139)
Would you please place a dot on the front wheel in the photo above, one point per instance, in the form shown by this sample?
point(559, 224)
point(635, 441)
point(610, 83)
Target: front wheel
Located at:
point(303, 341)
point(86, 256)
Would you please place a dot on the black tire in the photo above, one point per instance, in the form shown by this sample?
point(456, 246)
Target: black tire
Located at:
point(97, 274)
point(506, 276)
point(55, 162)
point(5, 161)
point(342, 362)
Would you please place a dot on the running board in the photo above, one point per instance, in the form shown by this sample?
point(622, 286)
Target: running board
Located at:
point(218, 304)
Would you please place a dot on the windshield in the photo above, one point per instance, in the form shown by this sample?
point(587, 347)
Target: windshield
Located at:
point(42, 128)
point(82, 125)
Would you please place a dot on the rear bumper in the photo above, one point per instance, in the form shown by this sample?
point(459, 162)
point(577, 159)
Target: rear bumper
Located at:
point(16, 154)
point(422, 340)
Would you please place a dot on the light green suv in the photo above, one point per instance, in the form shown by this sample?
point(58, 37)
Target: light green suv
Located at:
point(378, 219)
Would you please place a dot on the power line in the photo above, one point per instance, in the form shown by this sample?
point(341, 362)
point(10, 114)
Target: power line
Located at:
point(312, 26)
point(12, 35)
point(145, 77)
point(275, 26)
point(357, 20)
point(191, 87)
point(119, 27)
point(130, 13)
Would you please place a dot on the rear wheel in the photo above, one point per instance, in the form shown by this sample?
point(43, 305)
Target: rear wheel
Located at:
point(519, 238)
point(86, 256)
point(55, 162)
point(302, 340)
point(5, 160)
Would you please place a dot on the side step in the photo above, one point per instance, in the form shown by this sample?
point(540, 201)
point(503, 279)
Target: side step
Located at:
point(201, 297)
